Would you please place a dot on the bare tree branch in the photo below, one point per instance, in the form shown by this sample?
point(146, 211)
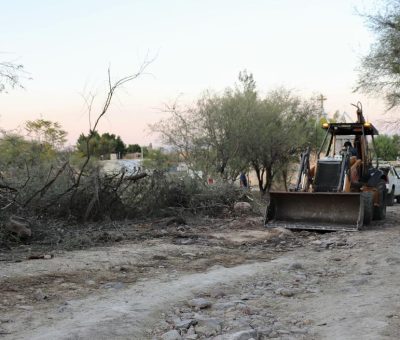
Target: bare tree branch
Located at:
point(112, 88)
point(11, 75)
point(43, 190)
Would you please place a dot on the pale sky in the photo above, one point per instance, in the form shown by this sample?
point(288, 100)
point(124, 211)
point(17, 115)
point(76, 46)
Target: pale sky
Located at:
point(66, 46)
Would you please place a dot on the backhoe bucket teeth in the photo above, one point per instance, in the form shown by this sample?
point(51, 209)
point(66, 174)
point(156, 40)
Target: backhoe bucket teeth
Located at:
point(315, 211)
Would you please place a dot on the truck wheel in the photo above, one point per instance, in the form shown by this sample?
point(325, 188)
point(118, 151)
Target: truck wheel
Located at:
point(380, 211)
point(390, 198)
point(367, 200)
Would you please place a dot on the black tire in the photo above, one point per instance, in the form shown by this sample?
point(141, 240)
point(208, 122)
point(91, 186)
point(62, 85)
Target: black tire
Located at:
point(390, 198)
point(368, 203)
point(380, 211)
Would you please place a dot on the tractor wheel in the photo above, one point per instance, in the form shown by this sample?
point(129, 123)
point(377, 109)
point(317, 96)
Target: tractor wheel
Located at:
point(390, 198)
point(368, 203)
point(380, 211)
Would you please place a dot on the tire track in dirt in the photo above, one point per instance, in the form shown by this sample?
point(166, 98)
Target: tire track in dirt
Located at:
point(127, 314)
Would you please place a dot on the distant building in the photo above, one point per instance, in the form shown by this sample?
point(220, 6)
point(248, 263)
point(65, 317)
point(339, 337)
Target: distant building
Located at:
point(133, 155)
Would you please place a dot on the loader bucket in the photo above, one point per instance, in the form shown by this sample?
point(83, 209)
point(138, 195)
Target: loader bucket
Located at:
point(315, 211)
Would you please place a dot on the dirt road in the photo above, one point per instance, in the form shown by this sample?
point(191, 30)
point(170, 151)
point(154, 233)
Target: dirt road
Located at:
point(221, 279)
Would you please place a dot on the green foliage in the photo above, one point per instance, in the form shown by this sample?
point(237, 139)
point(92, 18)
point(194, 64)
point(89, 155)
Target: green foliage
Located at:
point(133, 148)
point(26, 166)
point(101, 145)
point(276, 132)
point(387, 147)
point(33, 183)
point(380, 68)
point(159, 159)
point(48, 133)
point(17, 151)
point(207, 137)
point(145, 151)
point(237, 130)
point(163, 194)
point(47, 138)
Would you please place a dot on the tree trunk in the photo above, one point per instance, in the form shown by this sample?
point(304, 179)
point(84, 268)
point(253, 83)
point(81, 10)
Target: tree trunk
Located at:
point(264, 186)
point(269, 179)
point(285, 178)
point(260, 175)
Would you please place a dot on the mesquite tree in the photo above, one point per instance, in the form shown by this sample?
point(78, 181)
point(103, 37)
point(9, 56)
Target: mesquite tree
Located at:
point(240, 130)
point(380, 68)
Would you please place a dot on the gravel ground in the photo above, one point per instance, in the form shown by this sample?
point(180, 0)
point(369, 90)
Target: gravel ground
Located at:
point(210, 278)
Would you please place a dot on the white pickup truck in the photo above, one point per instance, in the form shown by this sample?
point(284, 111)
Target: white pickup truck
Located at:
point(393, 185)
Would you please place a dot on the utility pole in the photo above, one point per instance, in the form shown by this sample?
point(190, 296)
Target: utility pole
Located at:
point(321, 99)
point(322, 113)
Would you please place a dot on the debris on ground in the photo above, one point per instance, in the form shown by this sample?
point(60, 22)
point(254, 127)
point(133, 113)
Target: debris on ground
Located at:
point(118, 284)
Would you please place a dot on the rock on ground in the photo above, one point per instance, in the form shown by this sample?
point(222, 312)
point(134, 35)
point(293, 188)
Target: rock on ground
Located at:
point(208, 327)
point(171, 335)
point(199, 303)
point(242, 207)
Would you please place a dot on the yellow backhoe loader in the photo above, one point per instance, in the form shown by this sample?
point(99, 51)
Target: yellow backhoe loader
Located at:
point(343, 190)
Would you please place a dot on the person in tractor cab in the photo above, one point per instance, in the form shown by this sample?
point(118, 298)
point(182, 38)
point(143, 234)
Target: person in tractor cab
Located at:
point(348, 146)
point(354, 166)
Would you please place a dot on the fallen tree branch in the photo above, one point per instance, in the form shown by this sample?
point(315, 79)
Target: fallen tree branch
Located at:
point(46, 187)
point(4, 186)
point(135, 178)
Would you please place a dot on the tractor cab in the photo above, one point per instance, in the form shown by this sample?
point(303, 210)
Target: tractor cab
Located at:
point(344, 160)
